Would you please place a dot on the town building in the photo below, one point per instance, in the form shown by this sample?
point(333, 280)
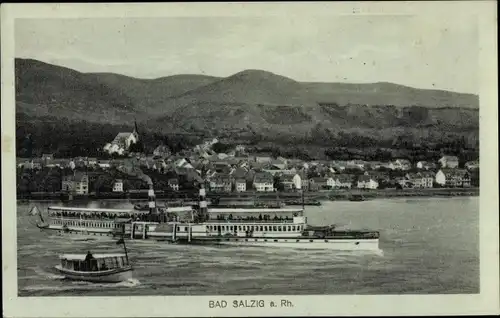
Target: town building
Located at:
point(342, 181)
point(92, 161)
point(173, 184)
point(263, 182)
point(330, 182)
point(356, 164)
point(425, 165)
point(472, 165)
point(118, 185)
point(77, 183)
point(221, 183)
point(162, 151)
point(47, 157)
point(367, 182)
point(183, 163)
point(297, 181)
point(240, 185)
point(24, 163)
point(453, 178)
point(318, 183)
point(423, 179)
point(401, 164)
point(448, 162)
point(57, 163)
point(404, 182)
point(122, 142)
point(288, 182)
point(37, 163)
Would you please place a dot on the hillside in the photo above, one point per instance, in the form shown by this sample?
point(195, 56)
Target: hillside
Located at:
point(388, 94)
point(152, 94)
point(250, 103)
point(47, 89)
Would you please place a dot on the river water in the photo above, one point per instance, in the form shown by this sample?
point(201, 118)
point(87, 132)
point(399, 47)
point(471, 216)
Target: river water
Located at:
point(429, 245)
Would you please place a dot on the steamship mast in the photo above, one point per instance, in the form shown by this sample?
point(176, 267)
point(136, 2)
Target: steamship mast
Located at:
point(156, 214)
point(151, 200)
point(202, 214)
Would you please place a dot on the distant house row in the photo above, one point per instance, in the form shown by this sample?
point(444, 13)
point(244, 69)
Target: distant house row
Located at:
point(78, 182)
point(228, 173)
point(265, 182)
point(222, 161)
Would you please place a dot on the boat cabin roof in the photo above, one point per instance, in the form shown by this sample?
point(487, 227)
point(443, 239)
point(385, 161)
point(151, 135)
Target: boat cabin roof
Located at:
point(179, 209)
point(64, 208)
point(255, 210)
point(116, 211)
point(81, 257)
point(121, 220)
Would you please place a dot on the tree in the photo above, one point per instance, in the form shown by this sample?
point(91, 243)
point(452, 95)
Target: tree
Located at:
point(277, 183)
point(104, 183)
point(136, 147)
point(221, 147)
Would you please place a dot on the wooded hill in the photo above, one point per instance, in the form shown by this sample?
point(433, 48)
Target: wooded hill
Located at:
point(250, 106)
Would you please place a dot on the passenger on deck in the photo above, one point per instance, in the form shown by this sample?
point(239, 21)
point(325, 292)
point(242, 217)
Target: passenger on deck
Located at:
point(88, 261)
point(89, 256)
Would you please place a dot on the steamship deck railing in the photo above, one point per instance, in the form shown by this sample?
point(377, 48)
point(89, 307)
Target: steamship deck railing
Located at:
point(248, 221)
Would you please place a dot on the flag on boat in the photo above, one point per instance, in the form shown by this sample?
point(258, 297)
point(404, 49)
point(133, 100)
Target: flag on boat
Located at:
point(120, 241)
point(35, 211)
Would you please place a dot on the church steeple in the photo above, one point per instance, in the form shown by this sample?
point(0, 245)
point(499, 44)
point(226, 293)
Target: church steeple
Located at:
point(136, 132)
point(135, 127)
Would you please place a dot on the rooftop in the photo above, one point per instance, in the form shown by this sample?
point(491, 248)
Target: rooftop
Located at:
point(81, 257)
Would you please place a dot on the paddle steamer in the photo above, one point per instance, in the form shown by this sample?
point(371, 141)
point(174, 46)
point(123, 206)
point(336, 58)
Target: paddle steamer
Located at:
point(280, 227)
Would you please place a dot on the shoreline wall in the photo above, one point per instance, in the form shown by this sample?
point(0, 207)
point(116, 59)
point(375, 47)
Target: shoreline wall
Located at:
point(333, 195)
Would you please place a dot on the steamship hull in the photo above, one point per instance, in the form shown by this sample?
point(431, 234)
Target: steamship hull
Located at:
point(78, 232)
point(110, 276)
point(335, 244)
point(295, 234)
point(146, 231)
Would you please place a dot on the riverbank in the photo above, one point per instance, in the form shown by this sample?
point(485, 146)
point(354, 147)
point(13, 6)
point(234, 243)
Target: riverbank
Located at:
point(345, 194)
point(333, 195)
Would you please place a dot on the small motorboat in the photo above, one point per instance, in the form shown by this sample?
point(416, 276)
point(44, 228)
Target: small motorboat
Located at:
point(100, 268)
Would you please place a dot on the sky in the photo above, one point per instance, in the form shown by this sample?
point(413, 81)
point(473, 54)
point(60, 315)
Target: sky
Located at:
point(403, 49)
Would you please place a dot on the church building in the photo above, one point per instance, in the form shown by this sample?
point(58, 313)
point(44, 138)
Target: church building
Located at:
point(122, 142)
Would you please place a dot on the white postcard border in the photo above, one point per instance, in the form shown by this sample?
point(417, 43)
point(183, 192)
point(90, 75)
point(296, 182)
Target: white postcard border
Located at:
point(487, 302)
